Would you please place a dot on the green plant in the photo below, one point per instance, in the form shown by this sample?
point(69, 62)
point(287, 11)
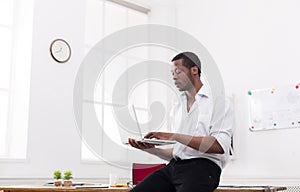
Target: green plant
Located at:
point(68, 175)
point(57, 174)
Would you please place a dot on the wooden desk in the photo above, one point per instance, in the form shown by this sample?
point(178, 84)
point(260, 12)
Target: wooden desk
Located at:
point(58, 189)
point(249, 189)
point(74, 189)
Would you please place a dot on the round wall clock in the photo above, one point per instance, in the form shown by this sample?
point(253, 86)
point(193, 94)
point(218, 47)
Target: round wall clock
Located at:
point(60, 50)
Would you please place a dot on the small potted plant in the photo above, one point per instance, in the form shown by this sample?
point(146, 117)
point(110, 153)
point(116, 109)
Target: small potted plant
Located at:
point(57, 178)
point(67, 178)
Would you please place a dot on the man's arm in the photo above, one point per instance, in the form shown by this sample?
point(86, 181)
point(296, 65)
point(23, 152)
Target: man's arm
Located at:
point(218, 140)
point(207, 144)
point(165, 154)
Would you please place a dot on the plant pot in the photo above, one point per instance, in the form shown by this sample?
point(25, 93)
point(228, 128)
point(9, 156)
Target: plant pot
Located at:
point(57, 183)
point(67, 183)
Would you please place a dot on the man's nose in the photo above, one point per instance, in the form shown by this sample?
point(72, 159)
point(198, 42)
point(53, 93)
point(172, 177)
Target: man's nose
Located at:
point(174, 76)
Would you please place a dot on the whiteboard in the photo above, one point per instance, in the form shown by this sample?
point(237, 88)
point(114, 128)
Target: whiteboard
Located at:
point(274, 108)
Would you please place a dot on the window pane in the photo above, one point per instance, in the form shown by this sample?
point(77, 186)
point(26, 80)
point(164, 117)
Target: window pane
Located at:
point(19, 99)
point(3, 121)
point(99, 90)
point(111, 127)
point(90, 134)
point(99, 24)
point(112, 73)
point(86, 153)
point(136, 18)
point(93, 21)
point(6, 12)
point(115, 138)
point(5, 50)
point(160, 92)
point(139, 96)
point(141, 53)
point(115, 17)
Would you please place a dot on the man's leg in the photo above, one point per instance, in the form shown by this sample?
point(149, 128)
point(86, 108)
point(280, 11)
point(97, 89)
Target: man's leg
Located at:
point(198, 175)
point(158, 181)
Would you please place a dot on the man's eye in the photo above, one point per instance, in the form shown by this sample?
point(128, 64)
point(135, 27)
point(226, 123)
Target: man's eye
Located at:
point(177, 71)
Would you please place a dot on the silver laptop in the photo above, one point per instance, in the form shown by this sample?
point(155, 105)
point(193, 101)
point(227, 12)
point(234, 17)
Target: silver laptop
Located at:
point(150, 141)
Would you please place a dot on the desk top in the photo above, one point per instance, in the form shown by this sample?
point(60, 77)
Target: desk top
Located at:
point(122, 189)
point(60, 189)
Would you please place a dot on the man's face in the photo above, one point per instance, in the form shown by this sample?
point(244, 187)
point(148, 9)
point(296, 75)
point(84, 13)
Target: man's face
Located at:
point(182, 76)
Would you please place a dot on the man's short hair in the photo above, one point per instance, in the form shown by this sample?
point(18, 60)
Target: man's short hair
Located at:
point(189, 60)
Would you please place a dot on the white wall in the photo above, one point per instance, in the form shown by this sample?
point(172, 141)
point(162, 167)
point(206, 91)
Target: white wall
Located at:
point(255, 44)
point(53, 139)
point(50, 115)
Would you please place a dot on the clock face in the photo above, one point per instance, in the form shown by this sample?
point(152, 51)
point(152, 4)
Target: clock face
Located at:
point(60, 50)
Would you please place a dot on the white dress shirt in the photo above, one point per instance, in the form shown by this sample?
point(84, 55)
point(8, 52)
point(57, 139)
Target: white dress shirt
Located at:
point(198, 122)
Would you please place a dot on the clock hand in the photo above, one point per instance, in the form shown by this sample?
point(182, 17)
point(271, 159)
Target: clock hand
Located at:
point(60, 49)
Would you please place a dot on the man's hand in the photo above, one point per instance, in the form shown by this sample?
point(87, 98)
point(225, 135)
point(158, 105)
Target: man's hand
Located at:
point(160, 135)
point(165, 154)
point(139, 145)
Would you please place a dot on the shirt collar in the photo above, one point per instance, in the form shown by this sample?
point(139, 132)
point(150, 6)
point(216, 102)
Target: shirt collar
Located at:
point(204, 91)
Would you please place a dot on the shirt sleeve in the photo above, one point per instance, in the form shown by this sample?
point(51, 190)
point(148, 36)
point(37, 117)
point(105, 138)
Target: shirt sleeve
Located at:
point(222, 129)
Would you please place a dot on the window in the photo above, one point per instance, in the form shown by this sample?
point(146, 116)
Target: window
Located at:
point(102, 19)
point(15, 37)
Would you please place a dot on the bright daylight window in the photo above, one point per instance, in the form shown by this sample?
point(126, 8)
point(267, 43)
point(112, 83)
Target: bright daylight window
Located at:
point(15, 47)
point(102, 19)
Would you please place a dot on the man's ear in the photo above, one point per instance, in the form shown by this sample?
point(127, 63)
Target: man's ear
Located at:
point(194, 70)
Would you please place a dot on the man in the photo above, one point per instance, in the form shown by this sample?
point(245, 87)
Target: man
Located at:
point(201, 150)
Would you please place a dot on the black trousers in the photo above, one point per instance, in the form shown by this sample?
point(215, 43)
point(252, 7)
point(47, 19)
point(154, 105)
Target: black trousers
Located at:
point(192, 175)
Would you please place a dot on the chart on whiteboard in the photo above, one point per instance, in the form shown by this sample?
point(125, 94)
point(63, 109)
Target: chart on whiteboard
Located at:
point(274, 108)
